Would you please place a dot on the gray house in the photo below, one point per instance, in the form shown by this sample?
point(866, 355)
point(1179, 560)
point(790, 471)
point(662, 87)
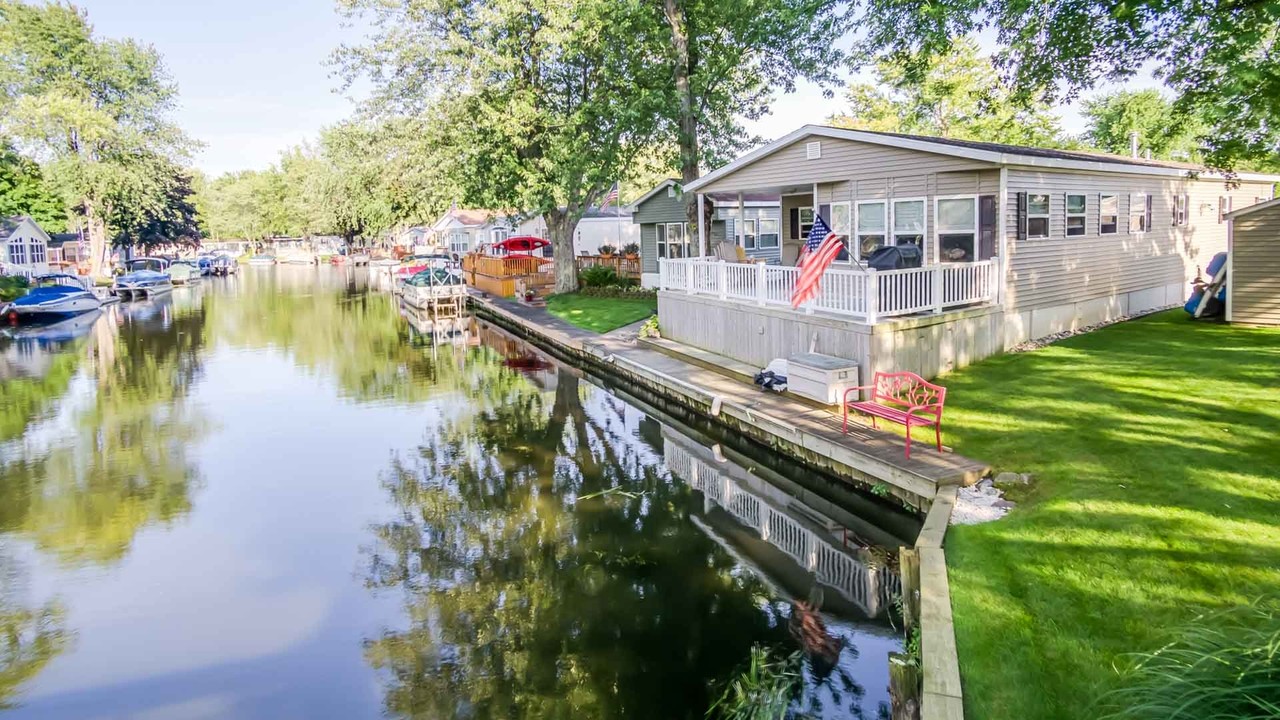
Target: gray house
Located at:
point(664, 231)
point(1018, 243)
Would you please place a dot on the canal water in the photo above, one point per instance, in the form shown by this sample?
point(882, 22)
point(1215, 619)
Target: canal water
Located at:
point(277, 495)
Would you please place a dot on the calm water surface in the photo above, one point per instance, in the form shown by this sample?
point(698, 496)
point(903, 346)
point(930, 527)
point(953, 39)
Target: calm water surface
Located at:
point(272, 497)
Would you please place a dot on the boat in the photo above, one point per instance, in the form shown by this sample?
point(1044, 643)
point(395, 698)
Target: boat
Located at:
point(435, 286)
point(413, 264)
point(184, 272)
point(55, 296)
point(262, 260)
point(223, 265)
point(205, 263)
point(145, 278)
point(383, 262)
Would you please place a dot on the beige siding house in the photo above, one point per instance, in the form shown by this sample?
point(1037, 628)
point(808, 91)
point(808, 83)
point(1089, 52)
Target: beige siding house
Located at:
point(1253, 268)
point(1017, 243)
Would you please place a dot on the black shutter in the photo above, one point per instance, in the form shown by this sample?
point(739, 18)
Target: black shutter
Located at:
point(988, 227)
point(1022, 216)
point(1150, 201)
point(794, 231)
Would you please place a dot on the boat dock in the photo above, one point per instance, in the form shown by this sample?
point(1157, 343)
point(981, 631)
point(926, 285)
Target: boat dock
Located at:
point(722, 389)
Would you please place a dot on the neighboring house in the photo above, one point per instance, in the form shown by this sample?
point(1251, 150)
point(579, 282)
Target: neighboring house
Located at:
point(664, 228)
point(1019, 243)
point(461, 231)
point(611, 226)
point(1253, 267)
point(24, 247)
point(415, 236)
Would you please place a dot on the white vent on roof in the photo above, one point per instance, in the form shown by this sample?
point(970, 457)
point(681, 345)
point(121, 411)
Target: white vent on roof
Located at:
point(813, 150)
point(671, 191)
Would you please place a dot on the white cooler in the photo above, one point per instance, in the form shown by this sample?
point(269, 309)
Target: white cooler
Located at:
point(821, 377)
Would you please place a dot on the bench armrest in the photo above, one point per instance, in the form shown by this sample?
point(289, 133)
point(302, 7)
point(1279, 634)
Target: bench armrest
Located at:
point(855, 389)
point(931, 406)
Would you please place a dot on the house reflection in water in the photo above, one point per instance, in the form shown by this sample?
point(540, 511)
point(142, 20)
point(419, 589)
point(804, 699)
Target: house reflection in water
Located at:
point(814, 556)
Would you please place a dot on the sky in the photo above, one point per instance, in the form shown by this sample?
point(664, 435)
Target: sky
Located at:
point(253, 75)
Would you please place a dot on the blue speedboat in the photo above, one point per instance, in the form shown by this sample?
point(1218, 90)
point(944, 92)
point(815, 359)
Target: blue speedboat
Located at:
point(55, 297)
point(146, 278)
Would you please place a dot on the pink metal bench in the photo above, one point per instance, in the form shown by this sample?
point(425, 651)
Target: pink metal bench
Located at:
point(901, 397)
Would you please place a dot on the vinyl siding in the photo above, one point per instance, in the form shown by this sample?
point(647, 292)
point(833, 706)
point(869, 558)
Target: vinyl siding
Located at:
point(1059, 270)
point(1254, 284)
point(660, 208)
point(841, 161)
point(648, 247)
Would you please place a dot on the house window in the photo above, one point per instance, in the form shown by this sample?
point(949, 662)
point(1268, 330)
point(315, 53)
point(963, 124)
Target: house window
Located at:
point(871, 226)
point(1076, 205)
point(749, 234)
point(842, 225)
point(1181, 203)
point(673, 240)
point(1139, 214)
point(1108, 214)
point(806, 222)
point(957, 223)
point(18, 252)
point(37, 252)
point(1037, 215)
point(497, 235)
point(459, 242)
point(769, 234)
point(1224, 207)
point(909, 222)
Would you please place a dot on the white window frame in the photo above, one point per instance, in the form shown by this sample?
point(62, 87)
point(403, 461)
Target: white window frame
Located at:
point(662, 243)
point(938, 230)
point(776, 233)
point(497, 235)
point(1083, 215)
point(1116, 215)
point(459, 242)
point(804, 231)
point(893, 233)
point(1047, 215)
point(855, 240)
point(1224, 206)
point(1181, 209)
point(18, 252)
point(36, 251)
point(750, 232)
point(1143, 212)
point(848, 205)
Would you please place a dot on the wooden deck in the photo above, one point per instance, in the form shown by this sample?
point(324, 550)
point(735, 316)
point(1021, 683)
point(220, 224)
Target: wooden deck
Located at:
point(720, 388)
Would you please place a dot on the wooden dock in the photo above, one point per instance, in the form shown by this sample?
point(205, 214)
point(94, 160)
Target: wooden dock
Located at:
point(717, 388)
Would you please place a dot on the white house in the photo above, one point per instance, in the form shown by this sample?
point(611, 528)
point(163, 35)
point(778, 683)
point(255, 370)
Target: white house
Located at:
point(611, 226)
point(24, 247)
point(461, 231)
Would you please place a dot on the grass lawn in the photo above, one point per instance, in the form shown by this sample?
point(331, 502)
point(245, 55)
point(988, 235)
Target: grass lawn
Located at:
point(600, 314)
point(1156, 449)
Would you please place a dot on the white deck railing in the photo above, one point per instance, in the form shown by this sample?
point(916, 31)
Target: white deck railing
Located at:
point(868, 296)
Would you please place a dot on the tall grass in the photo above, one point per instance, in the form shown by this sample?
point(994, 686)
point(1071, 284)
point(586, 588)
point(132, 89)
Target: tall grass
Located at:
point(1224, 666)
point(764, 690)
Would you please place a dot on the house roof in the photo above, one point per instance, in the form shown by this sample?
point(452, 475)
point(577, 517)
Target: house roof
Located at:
point(998, 153)
point(9, 224)
point(609, 213)
point(1252, 208)
point(657, 189)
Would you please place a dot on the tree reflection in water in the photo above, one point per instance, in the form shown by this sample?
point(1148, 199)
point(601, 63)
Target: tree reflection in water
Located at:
point(523, 602)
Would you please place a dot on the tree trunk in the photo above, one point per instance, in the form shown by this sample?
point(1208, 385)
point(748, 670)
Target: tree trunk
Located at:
point(97, 231)
point(561, 224)
point(687, 120)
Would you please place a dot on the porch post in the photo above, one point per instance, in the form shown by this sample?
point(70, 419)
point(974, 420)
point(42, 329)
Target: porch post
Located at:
point(937, 288)
point(1003, 241)
point(702, 229)
point(741, 223)
point(691, 268)
point(722, 280)
point(760, 281)
point(871, 293)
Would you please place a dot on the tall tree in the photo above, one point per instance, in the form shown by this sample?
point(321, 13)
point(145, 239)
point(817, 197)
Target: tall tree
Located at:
point(536, 108)
point(727, 61)
point(958, 94)
point(171, 221)
point(89, 106)
point(1161, 129)
point(1219, 58)
point(24, 191)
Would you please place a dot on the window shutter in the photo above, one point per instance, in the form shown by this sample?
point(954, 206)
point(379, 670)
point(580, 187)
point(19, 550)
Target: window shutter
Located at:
point(1150, 203)
point(794, 231)
point(1022, 216)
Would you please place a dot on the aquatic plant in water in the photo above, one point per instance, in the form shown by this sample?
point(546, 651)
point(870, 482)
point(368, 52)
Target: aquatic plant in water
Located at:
point(1223, 666)
point(765, 689)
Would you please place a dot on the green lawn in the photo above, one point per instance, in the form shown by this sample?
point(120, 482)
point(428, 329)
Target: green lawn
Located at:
point(600, 314)
point(1156, 449)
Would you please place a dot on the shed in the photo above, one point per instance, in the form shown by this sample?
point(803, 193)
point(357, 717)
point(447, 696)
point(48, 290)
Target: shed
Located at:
point(1253, 266)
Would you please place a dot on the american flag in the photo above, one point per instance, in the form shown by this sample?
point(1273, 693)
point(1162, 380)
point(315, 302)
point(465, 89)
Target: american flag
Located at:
point(611, 197)
point(815, 257)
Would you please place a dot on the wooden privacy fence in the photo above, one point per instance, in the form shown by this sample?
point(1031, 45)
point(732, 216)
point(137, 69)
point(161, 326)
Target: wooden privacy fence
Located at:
point(868, 295)
point(625, 267)
point(500, 275)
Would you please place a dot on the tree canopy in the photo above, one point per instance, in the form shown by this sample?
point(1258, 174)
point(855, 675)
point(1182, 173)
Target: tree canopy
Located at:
point(1217, 58)
point(95, 110)
point(956, 94)
point(24, 191)
point(1160, 128)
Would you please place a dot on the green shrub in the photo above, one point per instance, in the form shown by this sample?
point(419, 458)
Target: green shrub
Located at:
point(12, 287)
point(1224, 666)
point(598, 276)
point(631, 249)
point(621, 291)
